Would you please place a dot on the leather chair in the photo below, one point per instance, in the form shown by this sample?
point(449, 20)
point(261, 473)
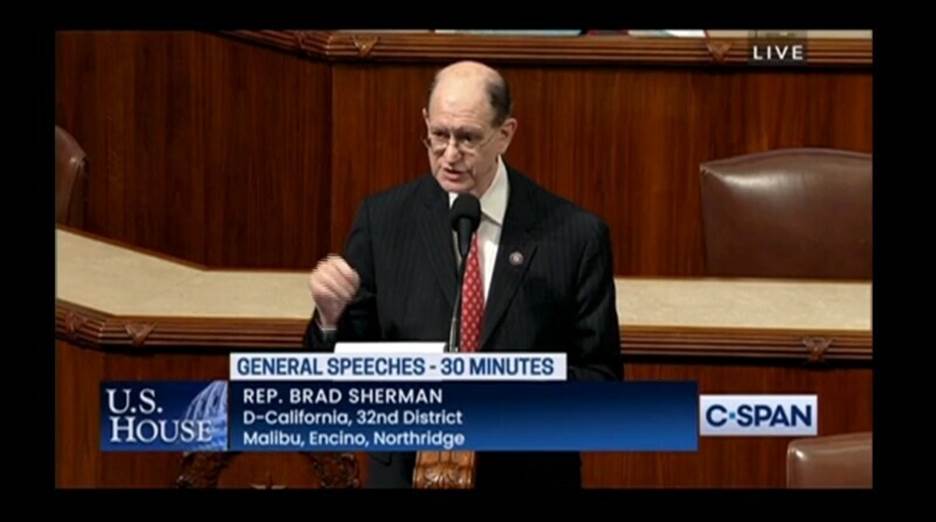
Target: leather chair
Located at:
point(836, 461)
point(70, 179)
point(790, 213)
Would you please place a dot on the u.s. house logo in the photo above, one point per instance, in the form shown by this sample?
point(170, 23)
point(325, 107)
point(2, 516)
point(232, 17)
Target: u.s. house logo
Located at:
point(164, 416)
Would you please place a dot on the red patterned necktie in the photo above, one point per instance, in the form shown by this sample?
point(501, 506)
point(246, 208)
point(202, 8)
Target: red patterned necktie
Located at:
point(472, 313)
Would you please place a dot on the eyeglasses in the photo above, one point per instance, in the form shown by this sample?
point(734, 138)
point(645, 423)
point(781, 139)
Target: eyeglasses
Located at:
point(466, 142)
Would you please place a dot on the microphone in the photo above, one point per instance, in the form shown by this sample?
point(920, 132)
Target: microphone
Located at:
point(464, 218)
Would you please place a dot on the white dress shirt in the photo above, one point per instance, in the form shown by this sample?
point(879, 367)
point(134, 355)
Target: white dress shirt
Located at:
point(493, 208)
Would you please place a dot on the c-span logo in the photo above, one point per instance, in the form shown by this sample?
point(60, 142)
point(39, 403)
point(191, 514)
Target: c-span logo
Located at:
point(164, 416)
point(758, 415)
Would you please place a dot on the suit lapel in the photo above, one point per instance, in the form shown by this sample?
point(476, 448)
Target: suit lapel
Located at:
point(437, 236)
point(516, 238)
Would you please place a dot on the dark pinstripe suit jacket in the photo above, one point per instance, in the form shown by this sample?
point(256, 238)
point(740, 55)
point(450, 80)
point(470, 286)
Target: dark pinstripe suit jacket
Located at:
point(559, 299)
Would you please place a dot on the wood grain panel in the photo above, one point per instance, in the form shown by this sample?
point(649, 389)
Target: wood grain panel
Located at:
point(79, 372)
point(845, 406)
point(233, 154)
point(623, 143)
point(201, 147)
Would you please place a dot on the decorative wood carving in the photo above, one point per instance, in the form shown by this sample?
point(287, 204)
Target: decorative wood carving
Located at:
point(139, 332)
point(444, 470)
point(718, 50)
point(73, 322)
point(203, 470)
point(337, 470)
point(364, 44)
point(817, 346)
point(268, 484)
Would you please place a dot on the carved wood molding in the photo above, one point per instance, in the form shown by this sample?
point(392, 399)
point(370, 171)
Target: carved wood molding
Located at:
point(203, 470)
point(138, 332)
point(444, 470)
point(73, 323)
point(335, 46)
point(336, 470)
point(94, 329)
point(718, 50)
point(817, 346)
point(747, 344)
point(364, 44)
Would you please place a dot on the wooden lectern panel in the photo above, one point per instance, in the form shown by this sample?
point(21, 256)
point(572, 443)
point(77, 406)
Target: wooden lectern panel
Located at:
point(444, 470)
point(802, 337)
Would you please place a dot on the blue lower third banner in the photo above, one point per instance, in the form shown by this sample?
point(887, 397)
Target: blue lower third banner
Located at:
point(399, 416)
point(492, 416)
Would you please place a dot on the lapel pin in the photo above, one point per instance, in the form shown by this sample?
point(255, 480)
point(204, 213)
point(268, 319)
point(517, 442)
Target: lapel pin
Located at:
point(516, 259)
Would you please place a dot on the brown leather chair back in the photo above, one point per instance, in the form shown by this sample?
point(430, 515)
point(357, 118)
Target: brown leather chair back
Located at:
point(792, 213)
point(70, 179)
point(837, 461)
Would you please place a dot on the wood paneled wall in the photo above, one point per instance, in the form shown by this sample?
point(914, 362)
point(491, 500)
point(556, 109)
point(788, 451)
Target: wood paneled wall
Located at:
point(200, 147)
point(845, 406)
point(236, 155)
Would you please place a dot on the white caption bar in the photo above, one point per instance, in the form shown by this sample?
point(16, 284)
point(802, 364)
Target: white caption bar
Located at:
point(398, 367)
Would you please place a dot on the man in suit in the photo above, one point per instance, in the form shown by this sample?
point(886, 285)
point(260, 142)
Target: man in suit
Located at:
point(540, 268)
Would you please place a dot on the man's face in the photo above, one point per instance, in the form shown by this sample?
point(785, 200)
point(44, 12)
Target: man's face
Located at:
point(463, 144)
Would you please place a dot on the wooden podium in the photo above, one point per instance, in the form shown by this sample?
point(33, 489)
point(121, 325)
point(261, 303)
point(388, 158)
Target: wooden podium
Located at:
point(126, 314)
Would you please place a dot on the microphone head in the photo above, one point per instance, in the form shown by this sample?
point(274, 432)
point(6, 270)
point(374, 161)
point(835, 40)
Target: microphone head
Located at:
point(466, 207)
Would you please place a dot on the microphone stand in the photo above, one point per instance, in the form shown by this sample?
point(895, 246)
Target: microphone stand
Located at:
point(428, 463)
point(454, 343)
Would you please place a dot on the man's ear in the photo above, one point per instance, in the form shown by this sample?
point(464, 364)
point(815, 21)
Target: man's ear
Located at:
point(507, 130)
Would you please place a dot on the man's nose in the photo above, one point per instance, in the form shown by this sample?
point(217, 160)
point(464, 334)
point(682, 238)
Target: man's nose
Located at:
point(451, 153)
